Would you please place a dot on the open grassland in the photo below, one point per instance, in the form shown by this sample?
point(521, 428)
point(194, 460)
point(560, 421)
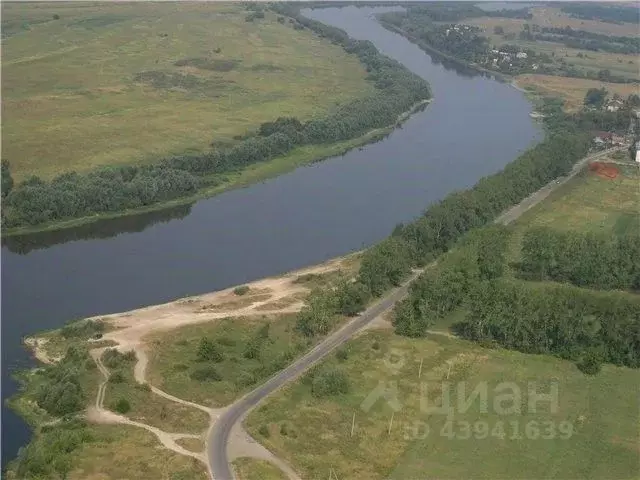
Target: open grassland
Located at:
point(151, 409)
point(572, 90)
point(174, 358)
point(123, 83)
point(598, 415)
point(253, 469)
point(118, 451)
point(591, 203)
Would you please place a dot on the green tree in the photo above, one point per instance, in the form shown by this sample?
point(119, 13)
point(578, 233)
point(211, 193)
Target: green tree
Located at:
point(595, 97)
point(209, 351)
point(6, 178)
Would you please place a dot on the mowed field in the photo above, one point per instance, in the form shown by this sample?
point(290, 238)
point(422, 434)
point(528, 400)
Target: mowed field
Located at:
point(591, 434)
point(573, 90)
point(124, 83)
point(592, 203)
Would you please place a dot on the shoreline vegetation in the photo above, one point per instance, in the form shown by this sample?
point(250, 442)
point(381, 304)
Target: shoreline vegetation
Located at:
point(72, 199)
point(387, 264)
point(253, 174)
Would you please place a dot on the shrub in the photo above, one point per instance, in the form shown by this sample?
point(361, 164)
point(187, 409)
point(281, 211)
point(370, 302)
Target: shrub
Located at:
point(241, 290)
point(207, 373)
point(122, 406)
point(244, 379)
point(145, 387)
point(589, 364)
point(264, 431)
point(342, 354)
point(116, 377)
point(284, 430)
point(329, 382)
point(209, 351)
point(180, 367)
point(376, 345)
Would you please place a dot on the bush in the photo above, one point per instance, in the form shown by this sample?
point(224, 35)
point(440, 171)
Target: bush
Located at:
point(207, 373)
point(376, 345)
point(209, 351)
point(145, 387)
point(113, 359)
point(329, 382)
point(116, 377)
point(342, 354)
point(122, 406)
point(241, 290)
point(180, 367)
point(590, 363)
point(264, 431)
point(244, 379)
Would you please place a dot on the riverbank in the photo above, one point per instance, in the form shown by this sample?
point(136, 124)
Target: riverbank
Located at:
point(128, 348)
point(301, 218)
point(255, 173)
point(428, 48)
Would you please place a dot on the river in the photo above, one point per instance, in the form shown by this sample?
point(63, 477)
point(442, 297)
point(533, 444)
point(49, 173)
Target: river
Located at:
point(473, 127)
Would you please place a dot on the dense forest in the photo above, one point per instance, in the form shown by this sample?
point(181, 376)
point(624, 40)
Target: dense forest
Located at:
point(586, 326)
point(586, 260)
point(118, 188)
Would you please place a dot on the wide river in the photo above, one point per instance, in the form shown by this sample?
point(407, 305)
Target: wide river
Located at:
point(473, 127)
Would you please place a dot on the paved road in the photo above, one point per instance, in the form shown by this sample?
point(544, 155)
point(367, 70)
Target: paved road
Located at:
point(219, 434)
point(221, 430)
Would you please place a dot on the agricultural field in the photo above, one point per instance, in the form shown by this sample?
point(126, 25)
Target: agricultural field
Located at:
point(572, 90)
point(99, 84)
point(591, 434)
point(623, 65)
point(547, 16)
point(592, 202)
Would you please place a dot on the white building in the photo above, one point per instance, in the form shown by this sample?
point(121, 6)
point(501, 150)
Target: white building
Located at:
point(521, 55)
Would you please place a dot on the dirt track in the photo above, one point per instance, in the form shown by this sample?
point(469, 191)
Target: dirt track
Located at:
point(131, 328)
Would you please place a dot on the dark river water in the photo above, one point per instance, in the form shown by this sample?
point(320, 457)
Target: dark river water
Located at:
point(473, 127)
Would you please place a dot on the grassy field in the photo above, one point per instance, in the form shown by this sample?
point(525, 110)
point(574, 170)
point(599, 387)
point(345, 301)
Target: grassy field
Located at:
point(572, 90)
point(131, 453)
point(140, 81)
point(618, 64)
point(599, 415)
point(591, 203)
point(546, 16)
point(253, 469)
point(152, 409)
point(173, 358)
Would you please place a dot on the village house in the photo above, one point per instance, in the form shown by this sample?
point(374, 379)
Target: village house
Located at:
point(521, 55)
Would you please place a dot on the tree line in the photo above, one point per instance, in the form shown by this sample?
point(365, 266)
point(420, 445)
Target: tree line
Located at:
point(583, 259)
point(117, 188)
point(583, 39)
point(557, 319)
point(586, 326)
point(605, 13)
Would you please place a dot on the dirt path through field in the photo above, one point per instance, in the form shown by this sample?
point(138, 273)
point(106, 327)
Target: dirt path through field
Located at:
point(276, 295)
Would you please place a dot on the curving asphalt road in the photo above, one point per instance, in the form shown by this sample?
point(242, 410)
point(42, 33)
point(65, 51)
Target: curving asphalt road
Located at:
point(220, 432)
